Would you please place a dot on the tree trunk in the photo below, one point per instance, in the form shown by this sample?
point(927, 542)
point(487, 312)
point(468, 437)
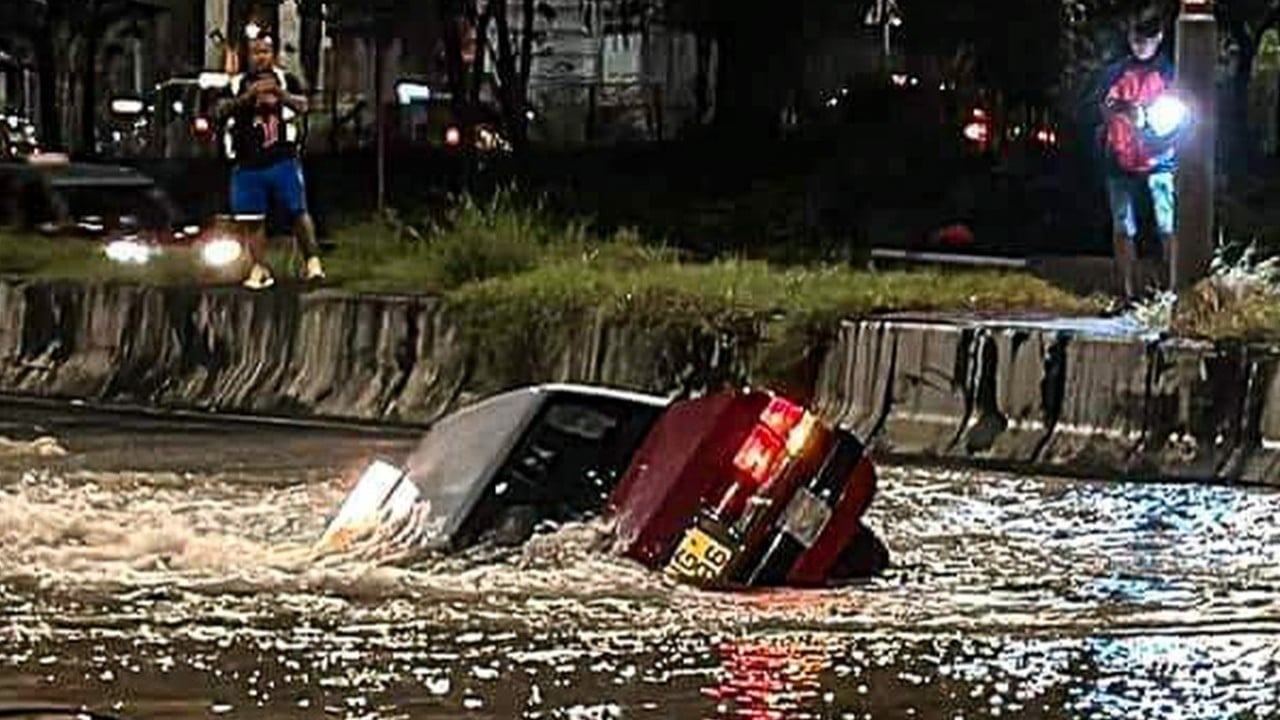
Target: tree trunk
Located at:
point(756, 64)
point(89, 86)
point(1275, 124)
point(528, 13)
point(478, 67)
point(473, 114)
point(50, 120)
point(509, 98)
point(380, 113)
point(449, 20)
point(526, 64)
point(312, 27)
point(743, 92)
point(702, 78)
point(1236, 116)
point(1240, 142)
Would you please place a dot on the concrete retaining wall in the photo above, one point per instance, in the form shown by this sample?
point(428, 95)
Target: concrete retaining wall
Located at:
point(322, 354)
point(1077, 397)
point(1087, 398)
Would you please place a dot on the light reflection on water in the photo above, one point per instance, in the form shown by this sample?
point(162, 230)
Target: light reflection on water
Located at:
point(184, 593)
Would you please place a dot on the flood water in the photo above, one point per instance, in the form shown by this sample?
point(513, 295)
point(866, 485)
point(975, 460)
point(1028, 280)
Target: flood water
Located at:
point(158, 569)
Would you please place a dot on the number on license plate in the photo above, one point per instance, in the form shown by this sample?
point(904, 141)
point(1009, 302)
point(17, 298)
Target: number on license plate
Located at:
point(700, 557)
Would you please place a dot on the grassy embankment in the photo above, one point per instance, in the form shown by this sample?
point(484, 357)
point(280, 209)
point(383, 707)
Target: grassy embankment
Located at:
point(504, 266)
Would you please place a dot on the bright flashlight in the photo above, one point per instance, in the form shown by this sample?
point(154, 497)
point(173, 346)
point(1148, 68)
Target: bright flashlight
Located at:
point(252, 30)
point(127, 252)
point(221, 252)
point(1166, 115)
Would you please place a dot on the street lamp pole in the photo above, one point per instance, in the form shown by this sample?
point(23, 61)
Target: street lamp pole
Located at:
point(1197, 51)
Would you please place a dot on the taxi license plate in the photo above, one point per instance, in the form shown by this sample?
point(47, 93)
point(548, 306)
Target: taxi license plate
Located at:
point(700, 558)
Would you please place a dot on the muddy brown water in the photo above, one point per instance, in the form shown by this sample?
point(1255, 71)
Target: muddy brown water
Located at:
point(158, 570)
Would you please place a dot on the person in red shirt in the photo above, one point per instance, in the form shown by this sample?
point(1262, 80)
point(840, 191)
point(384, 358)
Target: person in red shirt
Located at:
point(1140, 162)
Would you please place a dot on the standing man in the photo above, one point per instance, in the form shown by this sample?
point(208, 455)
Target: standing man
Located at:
point(1139, 145)
point(262, 114)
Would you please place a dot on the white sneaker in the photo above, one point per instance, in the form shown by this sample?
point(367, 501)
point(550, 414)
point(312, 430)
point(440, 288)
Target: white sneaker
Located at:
point(259, 278)
point(314, 269)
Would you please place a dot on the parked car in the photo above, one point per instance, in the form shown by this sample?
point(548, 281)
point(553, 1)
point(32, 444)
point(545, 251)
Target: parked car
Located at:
point(18, 137)
point(52, 195)
point(733, 489)
point(125, 211)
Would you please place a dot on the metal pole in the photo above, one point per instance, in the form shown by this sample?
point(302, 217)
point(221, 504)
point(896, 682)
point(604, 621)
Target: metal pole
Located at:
point(1197, 51)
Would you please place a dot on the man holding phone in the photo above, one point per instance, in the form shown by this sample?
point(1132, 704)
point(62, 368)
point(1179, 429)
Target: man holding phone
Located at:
point(262, 112)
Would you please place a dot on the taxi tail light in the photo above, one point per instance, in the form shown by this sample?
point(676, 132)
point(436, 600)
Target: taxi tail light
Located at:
point(781, 416)
point(758, 455)
point(798, 438)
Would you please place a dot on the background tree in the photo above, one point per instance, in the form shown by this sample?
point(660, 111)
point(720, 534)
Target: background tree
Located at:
point(78, 24)
point(1012, 44)
point(1244, 22)
point(760, 53)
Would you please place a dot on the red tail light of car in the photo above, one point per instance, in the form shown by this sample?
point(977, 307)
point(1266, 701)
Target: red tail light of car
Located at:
point(781, 416)
point(707, 489)
point(759, 455)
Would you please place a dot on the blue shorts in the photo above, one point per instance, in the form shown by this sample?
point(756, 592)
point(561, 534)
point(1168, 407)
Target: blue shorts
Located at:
point(1125, 191)
point(253, 189)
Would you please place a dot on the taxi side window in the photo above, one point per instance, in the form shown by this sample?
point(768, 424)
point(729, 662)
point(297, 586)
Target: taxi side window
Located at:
point(570, 460)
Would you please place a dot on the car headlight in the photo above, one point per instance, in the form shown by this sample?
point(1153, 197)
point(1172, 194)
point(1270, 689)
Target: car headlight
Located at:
point(381, 494)
point(128, 252)
point(221, 252)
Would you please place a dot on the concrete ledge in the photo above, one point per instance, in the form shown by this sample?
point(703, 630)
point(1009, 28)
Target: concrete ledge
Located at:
point(1090, 398)
point(324, 354)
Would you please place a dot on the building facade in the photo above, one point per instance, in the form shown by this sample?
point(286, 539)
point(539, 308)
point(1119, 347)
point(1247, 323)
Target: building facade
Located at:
point(20, 20)
point(594, 78)
point(600, 77)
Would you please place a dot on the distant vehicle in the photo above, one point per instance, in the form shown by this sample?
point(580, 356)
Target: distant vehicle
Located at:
point(125, 130)
point(18, 137)
point(427, 118)
point(54, 196)
point(124, 210)
point(730, 490)
point(184, 124)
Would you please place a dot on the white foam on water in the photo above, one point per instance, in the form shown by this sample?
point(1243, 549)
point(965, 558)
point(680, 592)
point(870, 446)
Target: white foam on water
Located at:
point(122, 530)
point(41, 447)
point(215, 537)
